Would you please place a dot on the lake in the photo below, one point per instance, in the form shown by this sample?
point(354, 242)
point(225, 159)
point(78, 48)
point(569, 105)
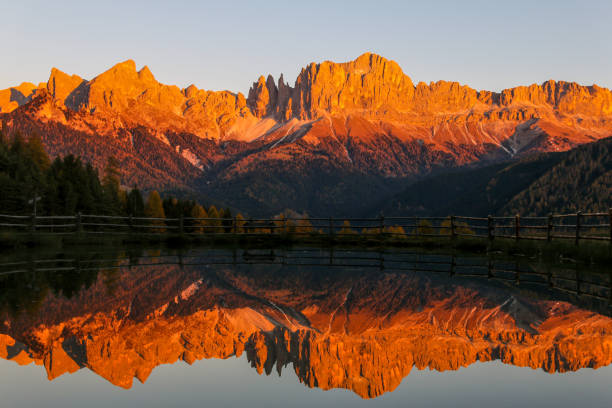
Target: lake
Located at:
point(300, 327)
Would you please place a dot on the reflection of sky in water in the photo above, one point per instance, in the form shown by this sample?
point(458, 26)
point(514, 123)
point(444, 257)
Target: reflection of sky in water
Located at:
point(233, 383)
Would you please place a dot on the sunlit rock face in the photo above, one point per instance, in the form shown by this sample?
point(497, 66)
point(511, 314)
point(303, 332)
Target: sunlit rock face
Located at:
point(123, 97)
point(363, 331)
point(370, 99)
point(12, 98)
point(360, 101)
point(362, 126)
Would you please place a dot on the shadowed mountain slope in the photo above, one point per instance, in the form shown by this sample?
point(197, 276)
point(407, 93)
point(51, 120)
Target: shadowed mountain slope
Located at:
point(566, 182)
point(343, 130)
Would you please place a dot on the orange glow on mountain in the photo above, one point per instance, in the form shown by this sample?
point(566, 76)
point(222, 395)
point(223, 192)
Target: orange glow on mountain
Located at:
point(361, 332)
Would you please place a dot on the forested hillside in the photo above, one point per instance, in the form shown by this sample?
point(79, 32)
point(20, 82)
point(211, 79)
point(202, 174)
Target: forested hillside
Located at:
point(31, 182)
point(579, 179)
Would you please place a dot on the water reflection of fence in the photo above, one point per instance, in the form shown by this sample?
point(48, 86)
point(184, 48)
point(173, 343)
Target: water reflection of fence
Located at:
point(584, 287)
point(576, 227)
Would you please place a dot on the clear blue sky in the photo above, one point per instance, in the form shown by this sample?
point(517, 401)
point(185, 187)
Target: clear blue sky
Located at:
point(486, 44)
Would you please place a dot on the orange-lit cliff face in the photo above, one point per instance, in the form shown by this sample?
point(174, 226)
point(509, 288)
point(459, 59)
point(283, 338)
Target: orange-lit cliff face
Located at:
point(368, 98)
point(341, 132)
point(123, 97)
point(371, 98)
point(360, 331)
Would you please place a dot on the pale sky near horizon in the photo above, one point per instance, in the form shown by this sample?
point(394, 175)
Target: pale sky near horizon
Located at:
point(228, 44)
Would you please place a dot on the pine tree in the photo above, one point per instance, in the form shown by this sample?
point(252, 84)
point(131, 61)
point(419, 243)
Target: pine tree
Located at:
point(280, 223)
point(240, 222)
point(135, 205)
point(11, 198)
point(154, 209)
point(199, 212)
point(37, 152)
point(304, 226)
point(346, 228)
point(27, 177)
point(112, 174)
point(214, 220)
point(396, 231)
point(424, 227)
point(18, 145)
point(111, 183)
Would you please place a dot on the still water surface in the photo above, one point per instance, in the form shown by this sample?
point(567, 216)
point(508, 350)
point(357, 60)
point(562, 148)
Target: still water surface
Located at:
point(300, 328)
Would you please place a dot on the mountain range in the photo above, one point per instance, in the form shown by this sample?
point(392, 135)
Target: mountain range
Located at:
point(362, 330)
point(339, 139)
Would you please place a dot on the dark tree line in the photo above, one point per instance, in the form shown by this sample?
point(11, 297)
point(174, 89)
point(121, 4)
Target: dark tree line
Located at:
point(30, 181)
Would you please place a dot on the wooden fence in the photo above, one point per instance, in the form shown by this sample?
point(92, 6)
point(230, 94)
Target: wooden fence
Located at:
point(577, 227)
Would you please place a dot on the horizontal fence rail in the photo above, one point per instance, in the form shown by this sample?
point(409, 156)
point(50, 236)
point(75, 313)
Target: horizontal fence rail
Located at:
point(577, 227)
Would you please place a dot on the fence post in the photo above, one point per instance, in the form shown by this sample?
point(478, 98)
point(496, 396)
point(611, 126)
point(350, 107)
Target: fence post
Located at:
point(382, 226)
point(79, 223)
point(517, 227)
point(33, 223)
point(131, 223)
point(331, 227)
point(452, 226)
point(578, 215)
point(284, 225)
point(234, 226)
point(610, 222)
point(490, 227)
point(549, 228)
point(181, 224)
point(549, 277)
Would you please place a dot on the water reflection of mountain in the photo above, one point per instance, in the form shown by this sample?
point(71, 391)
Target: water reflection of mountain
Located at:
point(355, 320)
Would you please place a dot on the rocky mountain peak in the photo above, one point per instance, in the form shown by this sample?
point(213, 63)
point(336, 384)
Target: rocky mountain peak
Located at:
point(12, 98)
point(259, 97)
point(263, 97)
point(190, 91)
point(60, 85)
point(367, 83)
point(127, 66)
point(364, 116)
point(145, 74)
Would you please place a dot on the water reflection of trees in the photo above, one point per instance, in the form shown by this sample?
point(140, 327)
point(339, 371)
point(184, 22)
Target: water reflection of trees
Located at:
point(25, 284)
